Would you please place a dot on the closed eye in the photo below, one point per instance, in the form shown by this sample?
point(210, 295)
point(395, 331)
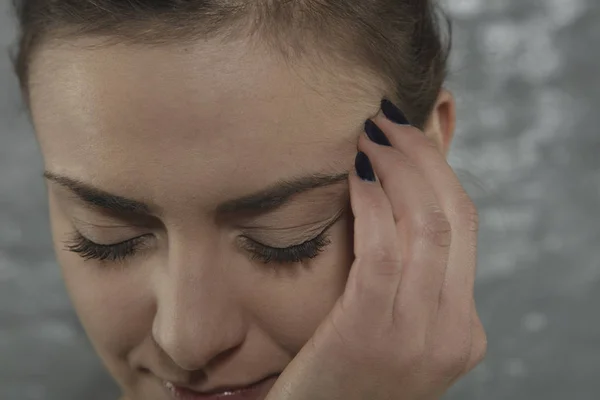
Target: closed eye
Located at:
point(123, 251)
point(288, 255)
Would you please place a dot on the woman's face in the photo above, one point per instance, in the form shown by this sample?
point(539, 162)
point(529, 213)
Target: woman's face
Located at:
point(200, 158)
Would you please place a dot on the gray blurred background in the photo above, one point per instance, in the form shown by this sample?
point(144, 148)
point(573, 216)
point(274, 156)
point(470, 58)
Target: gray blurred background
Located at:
point(527, 149)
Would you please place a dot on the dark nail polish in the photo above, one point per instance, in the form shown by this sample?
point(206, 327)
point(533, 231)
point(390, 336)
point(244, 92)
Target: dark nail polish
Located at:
point(393, 113)
point(376, 134)
point(363, 166)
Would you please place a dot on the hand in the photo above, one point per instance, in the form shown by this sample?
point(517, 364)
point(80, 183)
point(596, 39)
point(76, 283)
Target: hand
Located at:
point(406, 326)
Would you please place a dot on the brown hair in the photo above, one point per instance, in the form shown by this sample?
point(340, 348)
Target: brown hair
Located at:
point(397, 40)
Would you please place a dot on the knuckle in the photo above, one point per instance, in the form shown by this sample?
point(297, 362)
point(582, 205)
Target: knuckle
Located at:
point(376, 207)
point(376, 204)
point(479, 348)
point(380, 210)
point(415, 356)
point(382, 255)
point(403, 160)
point(451, 363)
point(468, 215)
point(479, 353)
point(435, 228)
point(364, 291)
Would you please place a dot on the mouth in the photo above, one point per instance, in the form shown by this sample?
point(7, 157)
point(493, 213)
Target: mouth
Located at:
point(254, 391)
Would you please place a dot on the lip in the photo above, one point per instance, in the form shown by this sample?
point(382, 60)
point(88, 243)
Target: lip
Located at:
point(255, 391)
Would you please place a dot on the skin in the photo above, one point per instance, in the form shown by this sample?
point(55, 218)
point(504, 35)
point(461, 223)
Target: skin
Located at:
point(185, 128)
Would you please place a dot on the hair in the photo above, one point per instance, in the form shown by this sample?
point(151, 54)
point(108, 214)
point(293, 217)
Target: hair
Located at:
point(399, 41)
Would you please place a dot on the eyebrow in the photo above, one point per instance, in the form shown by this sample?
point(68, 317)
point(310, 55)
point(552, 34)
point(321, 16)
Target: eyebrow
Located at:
point(263, 201)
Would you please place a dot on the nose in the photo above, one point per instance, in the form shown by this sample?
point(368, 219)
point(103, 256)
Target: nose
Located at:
point(197, 317)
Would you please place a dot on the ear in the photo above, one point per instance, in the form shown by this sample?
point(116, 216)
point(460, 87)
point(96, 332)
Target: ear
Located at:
point(442, 121)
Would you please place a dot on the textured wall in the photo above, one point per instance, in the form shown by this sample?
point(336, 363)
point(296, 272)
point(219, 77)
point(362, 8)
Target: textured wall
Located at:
point(527, 149)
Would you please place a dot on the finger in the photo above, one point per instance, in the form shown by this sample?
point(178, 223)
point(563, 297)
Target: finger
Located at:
point(375, 273)
point(457, 351)
point(478, 340)
point(455, 203)
point(422, 231)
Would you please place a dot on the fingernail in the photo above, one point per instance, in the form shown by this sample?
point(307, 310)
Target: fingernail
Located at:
point(376, 134)
point(363, 166)
point(393, 113)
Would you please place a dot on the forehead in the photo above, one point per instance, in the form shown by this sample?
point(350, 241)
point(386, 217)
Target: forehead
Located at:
point(123, 114)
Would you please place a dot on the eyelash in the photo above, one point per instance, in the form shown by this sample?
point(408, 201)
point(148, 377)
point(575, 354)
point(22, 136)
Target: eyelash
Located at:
point(288, 255)
point(89, 250)
point(119, 252)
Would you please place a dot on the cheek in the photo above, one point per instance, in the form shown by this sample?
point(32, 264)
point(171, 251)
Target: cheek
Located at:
point(114, 308)
point(291, 303)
